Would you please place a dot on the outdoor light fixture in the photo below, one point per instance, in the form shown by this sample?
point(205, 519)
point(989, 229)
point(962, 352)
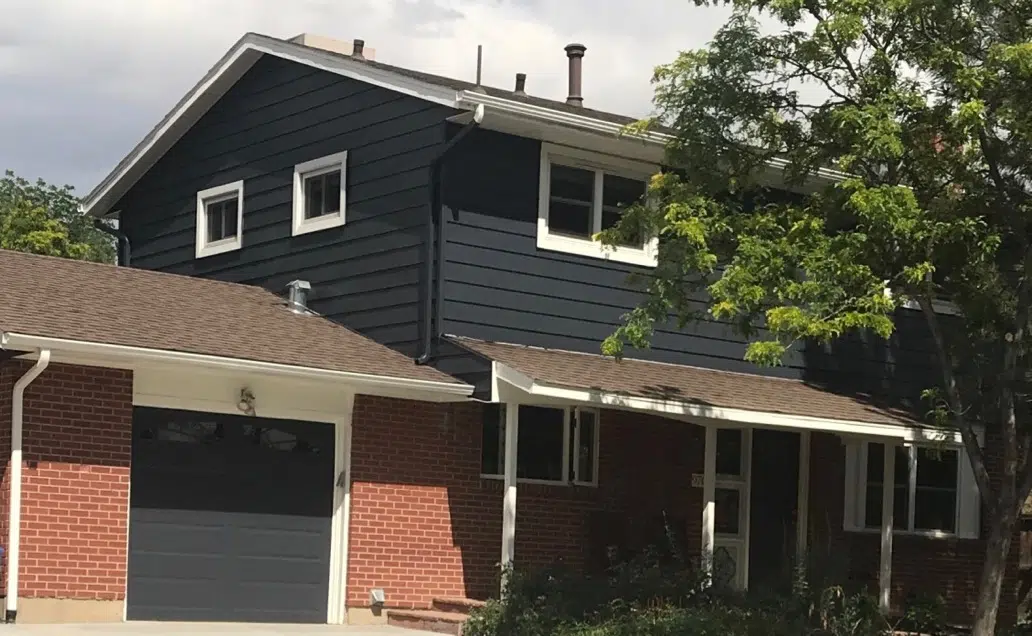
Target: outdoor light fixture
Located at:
point(246, 403)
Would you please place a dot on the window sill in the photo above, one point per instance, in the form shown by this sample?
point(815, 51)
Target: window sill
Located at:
point(926, 534)
point(318, 224)
point(541, 482)
point(218, 247)
point(582, 247)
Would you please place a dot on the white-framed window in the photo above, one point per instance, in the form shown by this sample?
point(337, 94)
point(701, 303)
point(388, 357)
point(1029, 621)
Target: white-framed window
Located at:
point(581, 194)
point(556, 445)
point(220, 219)
point(319, 193)
point(935, 493)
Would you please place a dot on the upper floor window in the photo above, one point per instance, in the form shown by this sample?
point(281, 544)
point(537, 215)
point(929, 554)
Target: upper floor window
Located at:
point(933, 490)
point(554, 445)
point(582, 194)
point(319, 201)
point(220, 215)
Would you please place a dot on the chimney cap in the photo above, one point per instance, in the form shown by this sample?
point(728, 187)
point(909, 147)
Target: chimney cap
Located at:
point(575, 50)
point(521, 84)
point(358, 49)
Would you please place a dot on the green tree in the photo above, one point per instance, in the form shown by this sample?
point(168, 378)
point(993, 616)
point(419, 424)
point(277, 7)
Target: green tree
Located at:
point(45, 219)
point(907, 127)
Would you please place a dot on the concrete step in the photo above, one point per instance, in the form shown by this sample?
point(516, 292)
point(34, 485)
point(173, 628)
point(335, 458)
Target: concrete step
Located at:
point(457, 605)
point(427, 620)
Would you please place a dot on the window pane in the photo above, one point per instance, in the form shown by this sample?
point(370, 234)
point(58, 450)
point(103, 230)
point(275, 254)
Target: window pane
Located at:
point(586, 451)
point(610, 218)
point(222, 219)
point(214, 222)
point(729, 451)
point(573, 219)
point(315, 188)
point(727, 502)
point(540, 446)
point(873, 507)
point(619, 193)
point(278, 439)
point(937, 468)
point(875, 464)
point(333, 192)
point(492, 440)
point(229, 218)
point(571, 201)
point(935, 509)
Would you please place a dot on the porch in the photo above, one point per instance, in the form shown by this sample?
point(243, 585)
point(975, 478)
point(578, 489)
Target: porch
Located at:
point(750, 491)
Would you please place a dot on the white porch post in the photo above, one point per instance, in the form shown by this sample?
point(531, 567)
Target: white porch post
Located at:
point(803, 499)
point(709, 506)
point(888, 492)
point(512, 422)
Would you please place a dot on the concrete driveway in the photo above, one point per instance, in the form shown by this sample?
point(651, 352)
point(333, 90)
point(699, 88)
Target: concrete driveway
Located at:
point(203, 629)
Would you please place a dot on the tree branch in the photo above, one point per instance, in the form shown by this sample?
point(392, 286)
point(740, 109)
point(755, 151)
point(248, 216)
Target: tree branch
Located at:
point(967, 433)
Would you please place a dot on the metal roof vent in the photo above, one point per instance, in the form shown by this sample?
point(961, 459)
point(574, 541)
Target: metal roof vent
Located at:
point(297, 296)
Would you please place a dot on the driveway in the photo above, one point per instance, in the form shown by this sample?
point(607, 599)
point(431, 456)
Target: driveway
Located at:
point(203, 629)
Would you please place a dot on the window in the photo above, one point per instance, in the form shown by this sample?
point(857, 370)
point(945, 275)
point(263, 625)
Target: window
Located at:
point(556, 445)
point(933, 490)
point(581, 195)
point(220, 214)
point(319, 201)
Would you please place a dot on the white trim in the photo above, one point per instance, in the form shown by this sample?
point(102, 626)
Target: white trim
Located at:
point(133, 357)
point(12, 557)
point(885, 552)
point(595, 397)
point(337, 162)
point(742, 484)
point(512, 439)
point(224, 192)
point(341, 524)
point(600, 165)
point(803, 499)
point(709, 505)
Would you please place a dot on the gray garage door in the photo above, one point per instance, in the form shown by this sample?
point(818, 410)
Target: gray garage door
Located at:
point(229, 518)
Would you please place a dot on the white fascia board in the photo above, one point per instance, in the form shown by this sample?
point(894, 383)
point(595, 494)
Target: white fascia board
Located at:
point(132, 356)
point(230, 68)
point(678, 408)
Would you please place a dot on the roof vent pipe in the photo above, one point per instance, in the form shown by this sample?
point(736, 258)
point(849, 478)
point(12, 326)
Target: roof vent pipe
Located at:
point(521, 85)
point(576, 53)
point(479, 88)
point(358, 48)
point(297, 296)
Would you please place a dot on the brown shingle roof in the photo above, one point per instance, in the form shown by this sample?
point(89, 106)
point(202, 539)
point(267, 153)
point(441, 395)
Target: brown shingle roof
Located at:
point(75, 300)
point(685, 383)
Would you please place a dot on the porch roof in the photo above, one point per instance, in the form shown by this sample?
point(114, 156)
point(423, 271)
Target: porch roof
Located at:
point(694, 391)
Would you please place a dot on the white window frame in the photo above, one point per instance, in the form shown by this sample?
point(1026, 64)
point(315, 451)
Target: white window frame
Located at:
point(645, 256)
point(337, 162)
point(228, 244)
point(967, 520)
point(568, 420)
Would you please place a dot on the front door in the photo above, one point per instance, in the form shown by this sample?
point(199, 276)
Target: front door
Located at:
point(775, 460)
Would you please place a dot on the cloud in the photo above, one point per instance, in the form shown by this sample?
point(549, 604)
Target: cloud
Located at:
point(81, 81)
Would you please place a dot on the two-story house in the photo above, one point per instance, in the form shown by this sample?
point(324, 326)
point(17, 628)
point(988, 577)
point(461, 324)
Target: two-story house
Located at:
point(452, 222)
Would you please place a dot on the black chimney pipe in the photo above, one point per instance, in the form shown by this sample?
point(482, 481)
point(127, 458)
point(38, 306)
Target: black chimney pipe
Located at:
point(123, 240)
point(576, 54)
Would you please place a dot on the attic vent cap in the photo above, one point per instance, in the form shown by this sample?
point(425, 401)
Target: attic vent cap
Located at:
point(297, 296)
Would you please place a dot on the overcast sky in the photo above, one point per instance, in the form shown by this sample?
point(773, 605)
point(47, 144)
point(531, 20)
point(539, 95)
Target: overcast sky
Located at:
point(82, 81)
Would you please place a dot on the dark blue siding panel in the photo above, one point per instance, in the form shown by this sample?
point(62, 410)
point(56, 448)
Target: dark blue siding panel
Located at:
point(500, 286)
point(365, 274)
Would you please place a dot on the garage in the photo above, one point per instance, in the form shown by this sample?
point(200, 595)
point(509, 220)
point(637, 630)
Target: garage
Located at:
point(230, 518)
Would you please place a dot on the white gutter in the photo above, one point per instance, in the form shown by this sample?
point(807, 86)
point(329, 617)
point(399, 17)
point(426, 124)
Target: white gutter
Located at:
point(24, 342)
point(682, 408)
point(14, 516)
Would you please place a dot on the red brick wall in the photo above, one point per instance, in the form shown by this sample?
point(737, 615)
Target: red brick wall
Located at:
point(920, 565)
point(75, 497)
point(425, 525)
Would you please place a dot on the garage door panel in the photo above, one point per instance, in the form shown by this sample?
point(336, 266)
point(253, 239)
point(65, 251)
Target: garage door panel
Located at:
point(230, 518)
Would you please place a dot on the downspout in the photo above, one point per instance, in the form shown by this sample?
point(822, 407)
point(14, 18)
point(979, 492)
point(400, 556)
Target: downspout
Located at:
point(123, 240)
point(435, 260)
point(14, 514)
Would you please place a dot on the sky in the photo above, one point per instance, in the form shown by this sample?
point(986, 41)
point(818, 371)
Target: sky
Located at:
point(82, 81)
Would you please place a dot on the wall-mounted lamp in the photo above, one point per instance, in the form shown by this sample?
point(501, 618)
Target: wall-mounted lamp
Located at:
point(246, 403)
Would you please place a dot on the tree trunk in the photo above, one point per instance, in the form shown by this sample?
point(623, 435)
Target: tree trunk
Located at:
point(991, 585)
